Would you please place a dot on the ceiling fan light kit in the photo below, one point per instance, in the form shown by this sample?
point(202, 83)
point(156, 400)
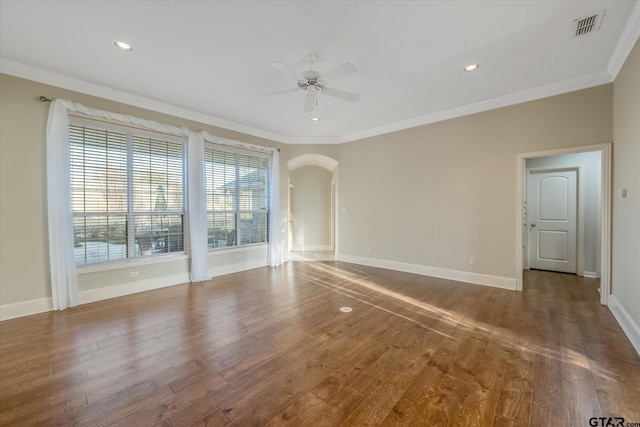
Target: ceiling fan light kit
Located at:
point(122, 45)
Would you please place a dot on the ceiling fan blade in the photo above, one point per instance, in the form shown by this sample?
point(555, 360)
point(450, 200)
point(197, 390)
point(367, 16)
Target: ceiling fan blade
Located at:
point(309, 100)
point(336, 93)
point(341, 71)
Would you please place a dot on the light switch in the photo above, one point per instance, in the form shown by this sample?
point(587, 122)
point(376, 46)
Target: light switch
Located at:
point(622, 192)
point(344, 210)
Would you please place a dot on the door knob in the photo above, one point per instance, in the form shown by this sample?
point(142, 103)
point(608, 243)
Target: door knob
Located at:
point(533, 225)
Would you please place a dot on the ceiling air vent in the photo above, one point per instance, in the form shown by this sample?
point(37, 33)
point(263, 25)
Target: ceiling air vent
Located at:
point(588, 24)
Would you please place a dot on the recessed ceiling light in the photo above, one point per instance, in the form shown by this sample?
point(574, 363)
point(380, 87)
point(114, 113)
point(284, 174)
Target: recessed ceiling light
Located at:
point(315, 119)
point(123, 45)
point(471, 67)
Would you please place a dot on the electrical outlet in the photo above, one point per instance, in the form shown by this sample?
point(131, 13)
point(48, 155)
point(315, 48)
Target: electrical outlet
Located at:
point(134, 274)
point(472, 261)
point(368, 248)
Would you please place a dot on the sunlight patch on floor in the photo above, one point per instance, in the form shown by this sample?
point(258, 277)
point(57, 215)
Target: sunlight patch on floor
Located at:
point(452, 318)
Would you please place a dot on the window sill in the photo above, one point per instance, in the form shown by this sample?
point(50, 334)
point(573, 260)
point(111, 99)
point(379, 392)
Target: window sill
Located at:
point(231, 249)
point(131, 263)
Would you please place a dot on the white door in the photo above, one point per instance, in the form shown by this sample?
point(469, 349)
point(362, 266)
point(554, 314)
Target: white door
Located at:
point(552, 208)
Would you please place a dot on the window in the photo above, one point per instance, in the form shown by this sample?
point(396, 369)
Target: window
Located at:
point(127, 193)
point(237, 197)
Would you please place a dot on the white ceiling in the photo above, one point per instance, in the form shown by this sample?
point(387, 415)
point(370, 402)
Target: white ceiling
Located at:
point(212, 61)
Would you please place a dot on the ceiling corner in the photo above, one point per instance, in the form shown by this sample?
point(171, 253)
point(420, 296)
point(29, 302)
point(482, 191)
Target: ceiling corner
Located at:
point(626, 42)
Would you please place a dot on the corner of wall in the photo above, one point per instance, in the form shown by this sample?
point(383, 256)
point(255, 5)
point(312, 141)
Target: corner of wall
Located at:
point(629, 326)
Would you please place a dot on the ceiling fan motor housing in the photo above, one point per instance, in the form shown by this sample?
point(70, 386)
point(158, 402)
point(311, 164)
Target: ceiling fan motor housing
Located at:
point(312, 81)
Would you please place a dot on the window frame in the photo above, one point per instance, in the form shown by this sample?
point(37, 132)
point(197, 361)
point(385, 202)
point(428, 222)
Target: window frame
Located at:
point(130, 213)
point(237, 212)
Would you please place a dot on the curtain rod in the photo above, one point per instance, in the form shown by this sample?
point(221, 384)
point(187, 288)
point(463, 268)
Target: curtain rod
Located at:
point(43, 98)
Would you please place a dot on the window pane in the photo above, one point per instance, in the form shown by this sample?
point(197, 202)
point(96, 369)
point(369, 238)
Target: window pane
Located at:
point(157, 175)
point(158, 234)
point(253, 228)
point(98, 169)
point(253, 182)
point(220, 176)
point(237, 186)
point(99, 238)
point(101, 185)
point(221, 230)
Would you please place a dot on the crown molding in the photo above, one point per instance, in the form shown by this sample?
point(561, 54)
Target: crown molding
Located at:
point(627, 40)
point(55, 79)
point(583, 82)
point(52, 78)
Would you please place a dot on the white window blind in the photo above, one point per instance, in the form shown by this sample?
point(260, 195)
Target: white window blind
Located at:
point(127, 192)
point(237, 198)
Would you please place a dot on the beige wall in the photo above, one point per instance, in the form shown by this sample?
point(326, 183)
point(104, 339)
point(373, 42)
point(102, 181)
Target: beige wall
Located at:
point(625, 280)
point(24, 271)
point(311, 208)
point(439, 194)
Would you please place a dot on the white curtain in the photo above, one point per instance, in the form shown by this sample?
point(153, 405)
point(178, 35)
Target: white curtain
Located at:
point(64, 285)
point(197, 209)
point(61, 257)
point(275, 245)
point(124, 118)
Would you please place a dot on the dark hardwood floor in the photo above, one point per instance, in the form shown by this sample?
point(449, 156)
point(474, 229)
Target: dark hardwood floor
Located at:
point(270, 347)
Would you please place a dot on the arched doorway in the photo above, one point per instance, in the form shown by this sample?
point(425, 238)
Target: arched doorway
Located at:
point(312, 207)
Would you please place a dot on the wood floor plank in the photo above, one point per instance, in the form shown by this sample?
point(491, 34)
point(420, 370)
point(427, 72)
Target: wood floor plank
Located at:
point(444, 408)
point(266, 400)
point(269, 346)
point(214, 419)
point(340, 409)
point(202, 398)
point(298, 412)
point(546, 414)
point(409, 408)
point(349, 369)
point(547, 388)
point(514, 402)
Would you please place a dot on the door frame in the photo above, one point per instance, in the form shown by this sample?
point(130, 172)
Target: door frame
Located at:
point(333, 215)
point(605, 212)
point(290, 196)
point(579, 169)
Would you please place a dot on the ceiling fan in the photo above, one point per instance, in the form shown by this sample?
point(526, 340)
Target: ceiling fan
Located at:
point(313, 82)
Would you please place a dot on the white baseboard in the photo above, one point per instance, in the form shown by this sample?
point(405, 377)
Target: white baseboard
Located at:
point(443, 273)
point(590, 274)
point(42, 305)
point(236, 267)
point(25, 308)
point(628, 325)
point(311, 247)
point(107, 292)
